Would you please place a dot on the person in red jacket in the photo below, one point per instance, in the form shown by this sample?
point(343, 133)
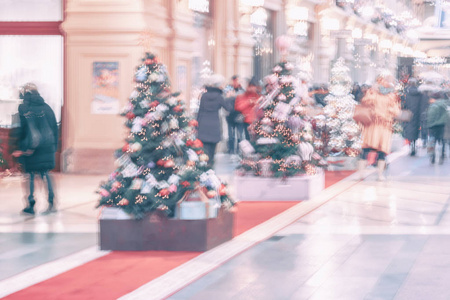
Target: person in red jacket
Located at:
point(246, 105)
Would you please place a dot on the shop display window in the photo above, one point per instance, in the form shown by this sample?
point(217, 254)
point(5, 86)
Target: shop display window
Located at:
point(31, 11)
point(30, 58)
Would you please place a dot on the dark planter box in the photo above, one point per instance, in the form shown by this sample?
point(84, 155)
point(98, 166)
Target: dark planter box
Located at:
point(157, 232)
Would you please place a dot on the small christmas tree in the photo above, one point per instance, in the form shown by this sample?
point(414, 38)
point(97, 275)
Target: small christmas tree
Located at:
point(281, 143)
point(335, 131)
point(161, 161)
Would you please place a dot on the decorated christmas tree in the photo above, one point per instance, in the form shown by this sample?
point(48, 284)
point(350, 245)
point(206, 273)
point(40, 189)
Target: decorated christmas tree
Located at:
point(161, 162)
point(336, 133)
point(281, 144)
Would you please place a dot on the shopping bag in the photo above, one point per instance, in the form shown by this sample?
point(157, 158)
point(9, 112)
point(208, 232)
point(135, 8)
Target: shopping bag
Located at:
point(363, 115)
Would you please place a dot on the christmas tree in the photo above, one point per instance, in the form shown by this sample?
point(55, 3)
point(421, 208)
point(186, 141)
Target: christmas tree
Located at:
point(281, 143)
point(161, 161)
point(335, 130)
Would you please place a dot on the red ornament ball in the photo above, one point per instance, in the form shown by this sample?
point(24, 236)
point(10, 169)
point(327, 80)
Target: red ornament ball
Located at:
point(193, 123)
point(197, 144)
point(130, 115)
point(154, 103)
point(160, 163)
point(164, 192)
point(126, 148)
point(185, 184)
point(124, 202)
point(178, 109)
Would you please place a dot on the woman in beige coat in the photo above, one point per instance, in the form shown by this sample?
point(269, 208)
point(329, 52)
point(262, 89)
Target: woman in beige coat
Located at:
point(382, 100)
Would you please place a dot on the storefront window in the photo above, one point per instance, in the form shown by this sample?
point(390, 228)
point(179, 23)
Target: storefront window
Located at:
point(263, 50)
point(203, 55)
point(31, 11)
point(23, 59)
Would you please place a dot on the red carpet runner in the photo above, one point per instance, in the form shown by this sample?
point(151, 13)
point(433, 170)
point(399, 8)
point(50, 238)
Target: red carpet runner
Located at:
point(119, 273)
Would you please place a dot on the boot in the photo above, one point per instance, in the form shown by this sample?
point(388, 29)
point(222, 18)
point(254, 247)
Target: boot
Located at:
point(380, 170)
point(30, 208)
point(361, 167)
point(413, 149)
point(51, 209)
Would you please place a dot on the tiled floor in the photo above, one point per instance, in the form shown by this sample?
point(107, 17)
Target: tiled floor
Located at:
point(377, 240)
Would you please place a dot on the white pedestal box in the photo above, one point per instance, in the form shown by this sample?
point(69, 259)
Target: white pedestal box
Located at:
point(303, 187)
point(342, 163)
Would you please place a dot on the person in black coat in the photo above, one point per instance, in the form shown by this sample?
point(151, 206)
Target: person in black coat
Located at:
point(414, 101)
point(37, 142)
point(209, 124)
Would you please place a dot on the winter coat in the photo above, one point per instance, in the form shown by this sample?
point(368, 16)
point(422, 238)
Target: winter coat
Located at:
point(246, 104)
point(209, 126)
point(415, 101)
point(447, 126)
point(437, 113)
point(378, 134)
point(43, 157)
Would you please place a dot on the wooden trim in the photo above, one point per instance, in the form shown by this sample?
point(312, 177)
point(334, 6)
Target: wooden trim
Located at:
point(30, 28)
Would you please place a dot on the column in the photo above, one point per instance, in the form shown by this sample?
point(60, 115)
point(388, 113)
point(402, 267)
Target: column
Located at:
point(97, 32)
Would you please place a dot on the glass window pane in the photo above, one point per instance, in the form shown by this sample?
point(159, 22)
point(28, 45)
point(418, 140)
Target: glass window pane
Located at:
point(23, 59)
point(30, 10)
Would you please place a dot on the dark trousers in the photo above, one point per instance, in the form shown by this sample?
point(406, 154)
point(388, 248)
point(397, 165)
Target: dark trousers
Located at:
point(210, 150)
point(43, 174)
point(246, 133)
point(235, 135)
point(366, 151)
point(436, 136)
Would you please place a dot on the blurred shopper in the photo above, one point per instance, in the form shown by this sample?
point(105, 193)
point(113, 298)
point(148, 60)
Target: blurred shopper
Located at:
point(246, 105)
point(364, 88)
point(37, 142)
point(382, 101)
point(209, 126)
point(320, 92)
point(413, 101)
point(356, 92)
point(235, 127)
point(427, 89)
point(437, 117)
point(234, 88)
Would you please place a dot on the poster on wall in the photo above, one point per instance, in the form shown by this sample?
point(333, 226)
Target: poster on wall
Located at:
point(106, 88)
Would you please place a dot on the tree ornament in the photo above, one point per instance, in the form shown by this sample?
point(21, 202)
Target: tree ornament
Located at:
point(164, 192)
point(266, 121)
point(197, 144)
point(123, 202)
point(135, 147)
point(211, 194)
point(126, 148)
point(169, 163)
point(160, 163)
point(203, 157)
point(193, 123)
point(130, 115)
point(178, 109)
point(305, 150)
point(172, 188)
point(265, 167)
point(104, 193)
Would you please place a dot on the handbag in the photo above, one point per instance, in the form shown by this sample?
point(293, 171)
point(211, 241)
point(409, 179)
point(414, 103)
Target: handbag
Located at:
point(405, 115)
point(363, 115)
